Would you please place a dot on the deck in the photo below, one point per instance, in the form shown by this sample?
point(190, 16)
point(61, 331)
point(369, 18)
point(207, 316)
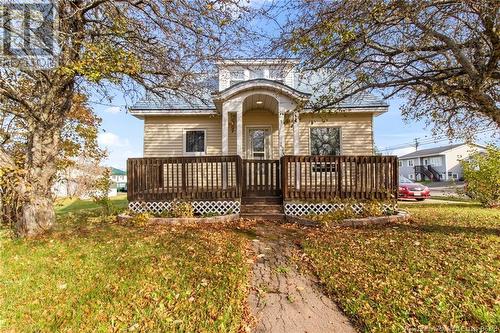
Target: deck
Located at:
point(298, 178)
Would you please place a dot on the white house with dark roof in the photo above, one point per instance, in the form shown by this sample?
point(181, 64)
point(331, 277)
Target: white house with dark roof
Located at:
point(439, 163)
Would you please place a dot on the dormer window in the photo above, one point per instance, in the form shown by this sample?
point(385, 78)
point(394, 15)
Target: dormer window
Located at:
point(236, 76)
point(277, 74)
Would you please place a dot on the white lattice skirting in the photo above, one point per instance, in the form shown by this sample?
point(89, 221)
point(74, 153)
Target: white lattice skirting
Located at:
point(301, 209)
point(199, 207)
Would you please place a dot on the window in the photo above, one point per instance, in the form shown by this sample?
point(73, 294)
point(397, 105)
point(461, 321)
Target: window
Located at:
point(236, 76)
point(194, 142)
point(435, 161)
point(410, 163)
point(325, 140)
point(411, 176)
point(400, 163)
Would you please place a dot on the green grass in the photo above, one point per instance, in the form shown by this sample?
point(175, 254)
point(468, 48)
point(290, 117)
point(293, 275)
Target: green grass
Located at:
point(69, 205)
point(437, 272)
point(91, 276)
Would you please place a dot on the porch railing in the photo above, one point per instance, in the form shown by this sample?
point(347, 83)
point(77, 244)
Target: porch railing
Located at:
point(196, 178)
point(294, 177)
point(345, 177)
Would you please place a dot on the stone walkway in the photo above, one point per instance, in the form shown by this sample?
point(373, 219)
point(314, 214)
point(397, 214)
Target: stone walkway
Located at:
point(283, 299)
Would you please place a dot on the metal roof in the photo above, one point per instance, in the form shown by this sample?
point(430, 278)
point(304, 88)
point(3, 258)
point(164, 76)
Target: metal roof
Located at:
point(431, 151)
point(314, 84)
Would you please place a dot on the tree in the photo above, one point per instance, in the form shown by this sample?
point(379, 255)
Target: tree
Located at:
point(442, 57)
point(482, 174)
point(157, 45)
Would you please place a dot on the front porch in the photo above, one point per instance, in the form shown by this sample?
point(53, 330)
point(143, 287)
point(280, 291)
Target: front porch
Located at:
point(226, 181)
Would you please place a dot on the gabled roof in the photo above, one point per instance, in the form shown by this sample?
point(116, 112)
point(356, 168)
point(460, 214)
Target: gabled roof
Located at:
point(431, 151)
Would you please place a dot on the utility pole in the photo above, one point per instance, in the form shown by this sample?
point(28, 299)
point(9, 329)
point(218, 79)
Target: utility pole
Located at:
point(416, 143)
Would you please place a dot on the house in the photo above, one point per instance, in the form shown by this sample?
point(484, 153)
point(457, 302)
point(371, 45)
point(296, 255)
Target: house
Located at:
point(439, 163)
point(258, 136)
point(119, 177)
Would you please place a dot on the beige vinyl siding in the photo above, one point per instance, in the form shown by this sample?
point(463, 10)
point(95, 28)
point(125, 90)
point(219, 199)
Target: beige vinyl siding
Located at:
point(356, 132)
point(163, 135)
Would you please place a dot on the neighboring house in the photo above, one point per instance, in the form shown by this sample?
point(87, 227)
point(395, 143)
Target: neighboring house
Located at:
point(439, 163)
point(120, 178)
point(78, 181)
point(258, 136)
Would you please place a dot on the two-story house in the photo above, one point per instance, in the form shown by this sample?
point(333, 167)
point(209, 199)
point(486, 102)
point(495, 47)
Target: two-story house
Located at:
point(439, 163)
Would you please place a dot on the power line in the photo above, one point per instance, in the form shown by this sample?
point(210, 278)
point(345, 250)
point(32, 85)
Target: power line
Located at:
point(421, 142)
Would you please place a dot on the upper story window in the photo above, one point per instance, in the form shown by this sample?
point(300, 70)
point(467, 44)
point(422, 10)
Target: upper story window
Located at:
point(236, 76)
point(410, 163)
point(325, 141)
point(277, 74)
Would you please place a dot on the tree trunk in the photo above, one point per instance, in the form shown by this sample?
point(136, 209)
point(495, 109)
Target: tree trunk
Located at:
point(37, 212)
point(37, 216)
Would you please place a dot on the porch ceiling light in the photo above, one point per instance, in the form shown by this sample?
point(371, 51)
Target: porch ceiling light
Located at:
point(259, 102)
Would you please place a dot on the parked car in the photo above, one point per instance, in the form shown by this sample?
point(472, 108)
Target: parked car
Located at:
point(411, 190)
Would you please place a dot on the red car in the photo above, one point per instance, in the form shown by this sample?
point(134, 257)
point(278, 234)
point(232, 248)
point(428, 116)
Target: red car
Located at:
point(410, 190)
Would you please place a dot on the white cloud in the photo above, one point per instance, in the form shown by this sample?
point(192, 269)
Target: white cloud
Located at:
point(109, 140)
point(113, 109)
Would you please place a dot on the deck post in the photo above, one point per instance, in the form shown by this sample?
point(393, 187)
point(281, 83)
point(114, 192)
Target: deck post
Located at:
point(225, 144)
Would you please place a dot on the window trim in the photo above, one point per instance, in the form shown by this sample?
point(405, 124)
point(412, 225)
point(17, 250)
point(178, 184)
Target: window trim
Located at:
point(341, 150)
point(184, 138)
point(412, 163)
point(248, 149)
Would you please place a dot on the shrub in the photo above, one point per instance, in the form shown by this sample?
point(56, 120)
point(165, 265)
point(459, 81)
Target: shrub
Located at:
point(181, 209)
point(482, 174)
point(140, 219)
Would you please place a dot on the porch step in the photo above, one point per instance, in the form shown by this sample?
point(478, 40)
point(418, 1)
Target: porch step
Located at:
point(263, 209)
point(262, 200)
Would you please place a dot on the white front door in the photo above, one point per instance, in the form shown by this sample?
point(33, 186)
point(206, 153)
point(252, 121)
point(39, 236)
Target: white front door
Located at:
point(258, 143)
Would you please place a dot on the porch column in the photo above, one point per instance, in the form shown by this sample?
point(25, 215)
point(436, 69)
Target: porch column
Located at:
point(225, 149)
point(281, 132)
point(296, 147)
point(225, 130)
point(296, 133)
point(239, 131)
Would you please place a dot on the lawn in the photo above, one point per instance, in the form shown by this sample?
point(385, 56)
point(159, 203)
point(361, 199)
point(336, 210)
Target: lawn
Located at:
point(95, 276)
point(69, 205)
point(440, 271)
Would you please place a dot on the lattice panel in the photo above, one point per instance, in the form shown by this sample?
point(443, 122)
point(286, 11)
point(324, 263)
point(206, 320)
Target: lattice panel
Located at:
point(199, 207)
point(301, 209)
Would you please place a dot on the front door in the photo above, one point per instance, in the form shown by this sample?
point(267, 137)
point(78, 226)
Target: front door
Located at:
point(258, 143)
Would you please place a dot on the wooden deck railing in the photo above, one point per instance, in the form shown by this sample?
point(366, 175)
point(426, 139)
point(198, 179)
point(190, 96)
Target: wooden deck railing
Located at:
point(346, 177)
point(293, 177)
point(197, 178)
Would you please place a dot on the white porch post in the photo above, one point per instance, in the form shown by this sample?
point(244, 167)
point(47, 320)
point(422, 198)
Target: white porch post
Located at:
point(239, 131)
point(296, 146)
point(281, 132)
point(225, 143)
point(225, 130)
point(296, 133)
